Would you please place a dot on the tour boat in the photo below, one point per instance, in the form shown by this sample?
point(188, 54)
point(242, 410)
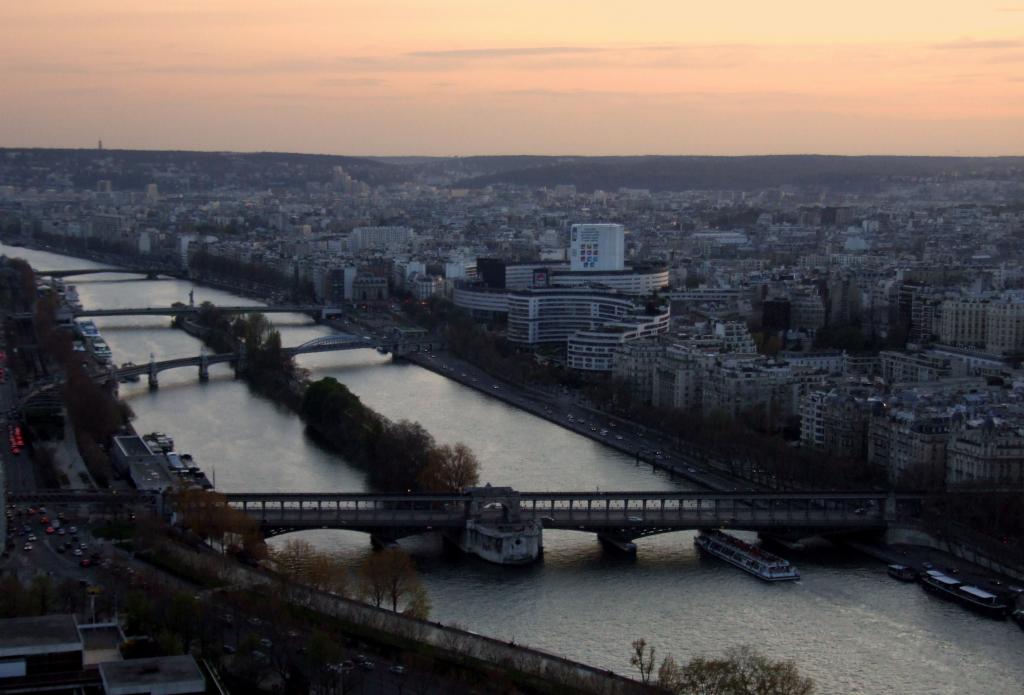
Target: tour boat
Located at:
point(101, 350)
point(978, 600)
point(749, 558)
point(902, 572)
point(88, 329)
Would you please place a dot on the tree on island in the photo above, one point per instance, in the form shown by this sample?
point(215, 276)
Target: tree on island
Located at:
point(450, 469)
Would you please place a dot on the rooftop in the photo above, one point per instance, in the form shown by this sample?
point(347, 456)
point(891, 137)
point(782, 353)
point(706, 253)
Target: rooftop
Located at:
point(132, 445)
point(162, 675)
point(39, 635)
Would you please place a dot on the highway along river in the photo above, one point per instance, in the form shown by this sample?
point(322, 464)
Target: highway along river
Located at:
point(846, 624)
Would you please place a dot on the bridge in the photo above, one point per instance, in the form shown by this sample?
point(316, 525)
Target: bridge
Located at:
point(396, 346)
point(151, 273)
point(616, 517)
point(319, 310)
point(502, 515)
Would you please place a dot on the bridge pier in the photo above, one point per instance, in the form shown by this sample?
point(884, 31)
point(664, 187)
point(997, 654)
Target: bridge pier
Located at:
point(204, 367)
point(614, 542)
point(382, 542)
point(154, 382)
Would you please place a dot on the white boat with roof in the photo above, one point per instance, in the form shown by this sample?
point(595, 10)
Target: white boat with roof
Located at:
point(748, 557)
point(977, 599)
point(87, 328)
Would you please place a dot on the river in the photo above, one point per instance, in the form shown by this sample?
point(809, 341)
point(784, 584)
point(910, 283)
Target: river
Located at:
point(846, 623)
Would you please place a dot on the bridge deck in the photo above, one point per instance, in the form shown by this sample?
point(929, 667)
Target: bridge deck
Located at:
point(630, 514)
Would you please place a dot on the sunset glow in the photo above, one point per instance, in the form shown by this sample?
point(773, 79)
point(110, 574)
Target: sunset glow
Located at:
point(472, 77)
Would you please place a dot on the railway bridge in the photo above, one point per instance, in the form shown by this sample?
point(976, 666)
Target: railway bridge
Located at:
point(506, 526)
point(503, 515)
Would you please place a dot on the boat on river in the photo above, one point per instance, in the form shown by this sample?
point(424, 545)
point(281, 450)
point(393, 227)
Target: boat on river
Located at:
point(749, 558)
point(902, 573)
point(951, 589)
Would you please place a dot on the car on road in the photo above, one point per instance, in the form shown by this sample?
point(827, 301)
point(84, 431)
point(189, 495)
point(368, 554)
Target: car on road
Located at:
point(398, 669)
point(32, 538)
point(495, 387)
point(50, 530)
point(73, 530)
point(77, 553)
point(266, 643)
point(692, 470)
point(27, 547)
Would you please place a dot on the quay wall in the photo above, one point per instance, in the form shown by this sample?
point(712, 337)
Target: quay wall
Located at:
point(911, 535)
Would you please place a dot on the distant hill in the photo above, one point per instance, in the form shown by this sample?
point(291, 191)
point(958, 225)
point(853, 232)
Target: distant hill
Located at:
point(737, 173)
point(133, 169)
point(177, 170)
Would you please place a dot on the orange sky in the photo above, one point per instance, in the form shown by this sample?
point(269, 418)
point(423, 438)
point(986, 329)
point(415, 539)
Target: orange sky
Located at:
point(528, 76)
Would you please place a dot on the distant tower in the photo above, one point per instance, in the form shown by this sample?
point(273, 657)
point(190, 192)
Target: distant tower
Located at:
point(99, 145)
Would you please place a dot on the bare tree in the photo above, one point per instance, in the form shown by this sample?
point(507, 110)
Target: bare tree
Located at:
point(450, 469)
point(643, 659)
point(388, 575)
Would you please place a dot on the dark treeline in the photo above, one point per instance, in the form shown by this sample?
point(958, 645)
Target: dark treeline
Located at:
point(745, 444)
point(268, 368)
point(206, 265)
point(95, 413)
point(397, 456)
point(88, 245)
point(487, 349)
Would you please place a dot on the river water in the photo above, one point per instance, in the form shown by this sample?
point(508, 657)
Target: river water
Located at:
point(846, 623)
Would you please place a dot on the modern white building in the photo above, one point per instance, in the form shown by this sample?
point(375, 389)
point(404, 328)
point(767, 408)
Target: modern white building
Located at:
point(593, 325)
point(480, 300)
point(594, 350)
point(551, 315)
point(634, 281)
point(597, 247)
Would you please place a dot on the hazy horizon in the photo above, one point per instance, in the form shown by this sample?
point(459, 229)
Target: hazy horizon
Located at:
point(396, 78)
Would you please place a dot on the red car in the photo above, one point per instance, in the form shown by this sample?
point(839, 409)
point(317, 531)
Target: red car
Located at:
point(86, 562)
point(50, 530)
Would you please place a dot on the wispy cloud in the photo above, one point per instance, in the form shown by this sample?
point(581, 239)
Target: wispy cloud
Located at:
point(352, 82)
point(485, 53)
point(971, 45)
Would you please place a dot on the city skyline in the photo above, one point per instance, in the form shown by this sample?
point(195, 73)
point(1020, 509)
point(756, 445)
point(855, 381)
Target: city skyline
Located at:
point(456, 78)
